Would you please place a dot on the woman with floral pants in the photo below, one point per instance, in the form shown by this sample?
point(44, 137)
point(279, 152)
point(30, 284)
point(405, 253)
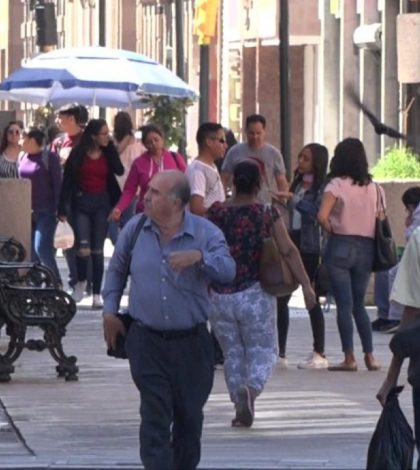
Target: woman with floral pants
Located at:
point(242, 314)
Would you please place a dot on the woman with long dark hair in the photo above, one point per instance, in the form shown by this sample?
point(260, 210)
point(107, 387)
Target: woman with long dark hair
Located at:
point(307, 187)
point(348, 212)
point(243, 314)
point(10, 150)
point(89, 191)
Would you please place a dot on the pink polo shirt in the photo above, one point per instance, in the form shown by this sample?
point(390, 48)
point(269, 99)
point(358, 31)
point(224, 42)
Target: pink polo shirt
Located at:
point(355, 211)
point(141, 172)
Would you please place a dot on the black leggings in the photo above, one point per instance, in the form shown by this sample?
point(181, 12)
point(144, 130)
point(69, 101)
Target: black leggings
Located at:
point(310, 262)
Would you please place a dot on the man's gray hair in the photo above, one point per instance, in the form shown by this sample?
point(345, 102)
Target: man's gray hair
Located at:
point(181, 188)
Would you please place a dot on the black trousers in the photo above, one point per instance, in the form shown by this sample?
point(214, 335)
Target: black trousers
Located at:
point(416, 406)
point(316, 316)
point(174, 378)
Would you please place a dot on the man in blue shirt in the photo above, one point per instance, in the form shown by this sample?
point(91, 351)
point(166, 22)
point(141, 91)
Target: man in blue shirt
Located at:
point(175, 258)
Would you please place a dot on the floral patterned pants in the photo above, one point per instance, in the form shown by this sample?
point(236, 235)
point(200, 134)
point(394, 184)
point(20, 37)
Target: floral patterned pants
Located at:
point(245, 325)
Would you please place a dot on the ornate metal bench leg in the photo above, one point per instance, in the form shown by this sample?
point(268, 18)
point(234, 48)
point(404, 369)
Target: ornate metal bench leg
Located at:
point(66, 367)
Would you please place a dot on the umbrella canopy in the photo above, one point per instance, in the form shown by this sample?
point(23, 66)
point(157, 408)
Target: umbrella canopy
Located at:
point(98, 76)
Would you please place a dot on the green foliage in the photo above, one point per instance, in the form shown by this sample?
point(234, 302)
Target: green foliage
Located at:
point(397, 163)
point(168, 113)
point(44, 116)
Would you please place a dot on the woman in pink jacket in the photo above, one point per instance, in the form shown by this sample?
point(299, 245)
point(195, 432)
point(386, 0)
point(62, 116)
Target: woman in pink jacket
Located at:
point(155, 159)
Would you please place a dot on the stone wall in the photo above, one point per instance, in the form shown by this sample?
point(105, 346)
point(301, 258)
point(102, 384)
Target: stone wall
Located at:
point(15, 211)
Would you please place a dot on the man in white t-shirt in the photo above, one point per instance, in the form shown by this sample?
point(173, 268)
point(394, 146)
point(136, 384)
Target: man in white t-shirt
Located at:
point(268, 157)
point(203, 176)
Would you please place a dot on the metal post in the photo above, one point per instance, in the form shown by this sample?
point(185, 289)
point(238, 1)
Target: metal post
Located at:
point(179, 31)
point(285, 130)
point(180, 60)
point(102, 38)
point(204, 83)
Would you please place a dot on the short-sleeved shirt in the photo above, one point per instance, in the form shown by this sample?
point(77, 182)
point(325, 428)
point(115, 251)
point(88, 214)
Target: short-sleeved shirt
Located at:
point(244, 227)
point(270, 161)
point(355, 210)
point(405, 289)
point(205, 181)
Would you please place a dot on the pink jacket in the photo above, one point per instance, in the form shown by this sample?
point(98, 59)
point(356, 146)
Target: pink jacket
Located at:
point(141, 172)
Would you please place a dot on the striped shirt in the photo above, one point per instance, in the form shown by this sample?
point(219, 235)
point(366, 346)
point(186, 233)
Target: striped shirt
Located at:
point(8, 168)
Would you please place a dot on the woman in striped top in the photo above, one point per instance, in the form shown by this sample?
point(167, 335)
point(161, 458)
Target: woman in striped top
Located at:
point(10, 150)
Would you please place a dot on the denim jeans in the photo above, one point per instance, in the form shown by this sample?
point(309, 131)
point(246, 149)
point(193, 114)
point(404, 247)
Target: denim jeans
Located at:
point(43, 229)
point(91, 212)
point(381, 293)
point(349, 260)
point(114, 228)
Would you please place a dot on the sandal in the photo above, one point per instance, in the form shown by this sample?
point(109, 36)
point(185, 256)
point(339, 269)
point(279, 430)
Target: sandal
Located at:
point(344, 367)
point(244, 408)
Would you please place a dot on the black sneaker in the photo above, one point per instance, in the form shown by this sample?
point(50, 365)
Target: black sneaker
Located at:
point(379, 323)
point(391, 327)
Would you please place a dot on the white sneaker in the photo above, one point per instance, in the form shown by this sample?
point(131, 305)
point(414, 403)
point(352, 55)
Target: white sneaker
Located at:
point(79, 291)
point(315, 361)
point(97, 301)
point(282, 362)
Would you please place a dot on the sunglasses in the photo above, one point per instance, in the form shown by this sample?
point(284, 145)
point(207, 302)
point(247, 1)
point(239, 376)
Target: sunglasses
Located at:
point(13, 131)
point(221, 140)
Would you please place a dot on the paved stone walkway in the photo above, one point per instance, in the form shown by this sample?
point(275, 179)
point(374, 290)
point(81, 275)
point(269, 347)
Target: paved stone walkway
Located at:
point(304, 419)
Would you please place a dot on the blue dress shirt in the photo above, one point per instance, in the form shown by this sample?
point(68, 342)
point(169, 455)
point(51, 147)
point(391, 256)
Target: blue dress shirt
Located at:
point(158, 296)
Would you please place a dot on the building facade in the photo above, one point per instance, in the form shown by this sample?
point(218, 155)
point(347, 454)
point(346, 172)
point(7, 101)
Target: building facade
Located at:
point(334, 45)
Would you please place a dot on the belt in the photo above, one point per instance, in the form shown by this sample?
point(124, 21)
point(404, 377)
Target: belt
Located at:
point(175, 334)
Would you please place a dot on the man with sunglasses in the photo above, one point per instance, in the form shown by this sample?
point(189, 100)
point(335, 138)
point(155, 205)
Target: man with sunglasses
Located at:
point(203, 176)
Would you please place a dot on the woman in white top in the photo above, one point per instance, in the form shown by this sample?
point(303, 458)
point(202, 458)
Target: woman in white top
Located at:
point(10, 150)
point(347, 213)
point(129, 149)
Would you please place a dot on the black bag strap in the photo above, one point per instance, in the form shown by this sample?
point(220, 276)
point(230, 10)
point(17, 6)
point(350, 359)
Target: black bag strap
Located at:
point(136, 234)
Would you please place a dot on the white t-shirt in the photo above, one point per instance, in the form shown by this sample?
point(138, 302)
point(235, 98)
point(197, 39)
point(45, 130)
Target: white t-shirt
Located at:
point(205, 181)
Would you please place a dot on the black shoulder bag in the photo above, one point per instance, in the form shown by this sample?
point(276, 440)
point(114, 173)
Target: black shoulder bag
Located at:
point(385, 252)
point(126, 318)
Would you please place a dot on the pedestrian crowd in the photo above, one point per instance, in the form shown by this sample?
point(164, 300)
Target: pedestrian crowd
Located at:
point(191, 237)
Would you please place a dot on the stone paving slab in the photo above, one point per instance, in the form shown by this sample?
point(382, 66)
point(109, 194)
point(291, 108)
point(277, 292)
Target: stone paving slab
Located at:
point(304, 419)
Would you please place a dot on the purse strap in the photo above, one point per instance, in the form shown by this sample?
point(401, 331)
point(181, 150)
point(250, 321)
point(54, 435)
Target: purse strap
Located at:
point(380, 206)
point(133, 240)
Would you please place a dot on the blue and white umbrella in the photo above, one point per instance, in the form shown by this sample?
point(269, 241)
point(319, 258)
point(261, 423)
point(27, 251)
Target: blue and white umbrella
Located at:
point(92, 76)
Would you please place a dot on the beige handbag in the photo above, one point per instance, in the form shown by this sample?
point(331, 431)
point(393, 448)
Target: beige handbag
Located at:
point(276, 278)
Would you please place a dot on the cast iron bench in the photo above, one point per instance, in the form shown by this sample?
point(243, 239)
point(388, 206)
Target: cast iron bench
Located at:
point(30, 297)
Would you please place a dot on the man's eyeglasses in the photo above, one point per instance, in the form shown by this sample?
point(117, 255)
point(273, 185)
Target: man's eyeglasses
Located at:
point(13, 131)
point(221, 140)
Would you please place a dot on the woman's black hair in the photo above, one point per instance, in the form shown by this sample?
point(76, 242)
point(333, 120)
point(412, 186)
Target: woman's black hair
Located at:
point(87, 141)
point(411, 197)
point(147, 129)
point(350, 161)
point(247, 177)
point(4, 143)
point(37, 135)
point(123, 126)
point(319, 165)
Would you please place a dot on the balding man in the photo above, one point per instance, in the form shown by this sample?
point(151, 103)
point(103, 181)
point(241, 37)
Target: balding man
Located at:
point(174, 259)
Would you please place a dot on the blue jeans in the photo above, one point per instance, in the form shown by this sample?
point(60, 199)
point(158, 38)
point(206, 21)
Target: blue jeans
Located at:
point(91, 212)
point(382, 294)
point(43, 229)
point(114, 228)
point(349, 260)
